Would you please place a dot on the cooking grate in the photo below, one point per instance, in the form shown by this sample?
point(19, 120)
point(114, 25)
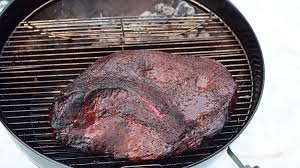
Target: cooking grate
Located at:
point(42, 57)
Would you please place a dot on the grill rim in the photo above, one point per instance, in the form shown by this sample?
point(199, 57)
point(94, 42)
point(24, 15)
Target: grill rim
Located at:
point(213, 5)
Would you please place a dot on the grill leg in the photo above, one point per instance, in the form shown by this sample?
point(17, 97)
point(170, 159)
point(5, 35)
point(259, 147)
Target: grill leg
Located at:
point(237, 160)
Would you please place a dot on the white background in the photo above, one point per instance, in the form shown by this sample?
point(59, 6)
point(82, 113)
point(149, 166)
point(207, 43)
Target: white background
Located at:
point(272, 140)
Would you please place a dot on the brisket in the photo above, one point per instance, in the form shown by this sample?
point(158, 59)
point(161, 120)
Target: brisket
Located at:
point(143, 105)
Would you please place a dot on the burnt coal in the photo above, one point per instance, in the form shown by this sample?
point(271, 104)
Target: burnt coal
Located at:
point(162, 9)
point(184, 9)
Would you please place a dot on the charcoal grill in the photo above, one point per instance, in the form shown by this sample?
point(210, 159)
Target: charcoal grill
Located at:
point(41, 57)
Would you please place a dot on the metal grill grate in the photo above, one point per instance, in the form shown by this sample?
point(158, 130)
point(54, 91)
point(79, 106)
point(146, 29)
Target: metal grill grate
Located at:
point(42, 57)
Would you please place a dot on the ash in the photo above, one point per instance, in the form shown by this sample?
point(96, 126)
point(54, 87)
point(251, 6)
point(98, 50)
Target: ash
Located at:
point(159, 16)
point(162, 10)
point(170, 21)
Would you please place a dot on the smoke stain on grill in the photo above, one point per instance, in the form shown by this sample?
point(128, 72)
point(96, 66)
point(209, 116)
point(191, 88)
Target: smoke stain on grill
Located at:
point(66, 9)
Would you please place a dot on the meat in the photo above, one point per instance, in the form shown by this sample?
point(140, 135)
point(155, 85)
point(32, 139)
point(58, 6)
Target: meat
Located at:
point(143, 105)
